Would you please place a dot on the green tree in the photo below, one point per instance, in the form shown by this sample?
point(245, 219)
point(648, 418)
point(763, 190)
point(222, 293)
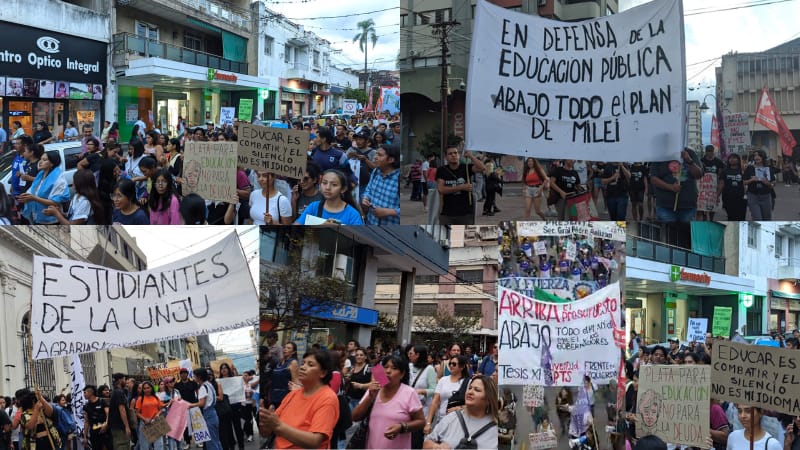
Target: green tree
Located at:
point(444, 327)
point(358, 94)
point(366, 34)
point(430, 144)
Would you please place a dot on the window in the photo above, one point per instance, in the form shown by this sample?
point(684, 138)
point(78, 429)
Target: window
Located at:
point(192, 41)
point(315, 58)
point(146, 30)
point(388, 279)
point(752, 234)
point(287, 53)
point(778, 245)
point(403, 20)
point(424, 309)
point(268, 41)
point(434, 16)
point(470, 276)
point(427, 279)
point(467, 310)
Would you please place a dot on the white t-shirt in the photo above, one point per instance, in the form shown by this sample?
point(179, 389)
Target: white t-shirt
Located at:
point(737, 441)
point(277, 203)
point(79, 208)
point(209, 393)
point(445, 389)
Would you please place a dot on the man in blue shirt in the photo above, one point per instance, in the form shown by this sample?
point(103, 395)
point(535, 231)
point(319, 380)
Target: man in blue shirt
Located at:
point(381, 198)
point(20, 165)
point(324, 154)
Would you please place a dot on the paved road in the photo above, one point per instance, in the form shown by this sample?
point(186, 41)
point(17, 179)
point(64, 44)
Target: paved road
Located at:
point(512, 207)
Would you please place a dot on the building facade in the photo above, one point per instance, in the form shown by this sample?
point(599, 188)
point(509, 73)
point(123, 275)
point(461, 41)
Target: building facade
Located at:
point(741, 77)
point(359, 257)
point(677, 272)
point(694, 126)
point(420, 57)
point(467, 289)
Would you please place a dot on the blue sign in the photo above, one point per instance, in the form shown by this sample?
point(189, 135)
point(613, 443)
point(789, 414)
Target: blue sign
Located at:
point(343, 312)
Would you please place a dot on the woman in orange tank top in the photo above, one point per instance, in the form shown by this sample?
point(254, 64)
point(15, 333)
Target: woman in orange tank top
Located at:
point(536, 182)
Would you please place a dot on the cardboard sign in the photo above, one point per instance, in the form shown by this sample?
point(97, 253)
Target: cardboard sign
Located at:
point(673, 403)
point(736, 131)
point(756, 375)
point(614, 87)
point(209, 170)
point(696, 329)
point(721, 325)
point(81, 308)
point(707, 192)
point(542, 441)
point(156, 429)
point(277, 150)
point(556, 344)
point(533, 395)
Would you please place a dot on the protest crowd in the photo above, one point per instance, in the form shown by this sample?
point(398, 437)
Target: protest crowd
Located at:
point(355, 397)
point(351, 177)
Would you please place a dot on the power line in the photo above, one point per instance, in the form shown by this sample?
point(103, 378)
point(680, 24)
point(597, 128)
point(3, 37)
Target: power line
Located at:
point(343, 16)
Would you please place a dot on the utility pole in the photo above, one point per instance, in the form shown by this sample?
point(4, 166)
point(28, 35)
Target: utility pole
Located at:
point(441, 30)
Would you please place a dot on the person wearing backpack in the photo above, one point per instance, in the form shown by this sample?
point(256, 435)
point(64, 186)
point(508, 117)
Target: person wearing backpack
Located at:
point(65, 421)
point(38, 422)
point(474, 426)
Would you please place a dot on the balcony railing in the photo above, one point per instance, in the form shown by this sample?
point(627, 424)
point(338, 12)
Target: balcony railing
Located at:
point(305, 71)
point(220, 12)
point(668, 254)
point(128, 46)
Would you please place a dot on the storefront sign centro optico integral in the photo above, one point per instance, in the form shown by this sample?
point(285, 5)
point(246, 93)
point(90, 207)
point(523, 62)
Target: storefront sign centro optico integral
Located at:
point(42, 54)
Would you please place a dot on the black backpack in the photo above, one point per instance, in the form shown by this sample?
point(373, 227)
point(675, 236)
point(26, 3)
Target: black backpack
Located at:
point(345, 415)
point(468, 442)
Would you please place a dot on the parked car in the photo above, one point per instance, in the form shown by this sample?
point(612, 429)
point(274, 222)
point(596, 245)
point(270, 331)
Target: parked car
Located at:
point(69, 152)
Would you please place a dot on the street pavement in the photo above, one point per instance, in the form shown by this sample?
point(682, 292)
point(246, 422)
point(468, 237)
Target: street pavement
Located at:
point(512, 207)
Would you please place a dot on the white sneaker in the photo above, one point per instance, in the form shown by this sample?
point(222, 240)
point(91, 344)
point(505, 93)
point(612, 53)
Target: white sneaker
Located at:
point(249, 438)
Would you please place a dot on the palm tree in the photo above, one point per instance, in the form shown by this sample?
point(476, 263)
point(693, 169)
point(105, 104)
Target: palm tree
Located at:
point(367, 33)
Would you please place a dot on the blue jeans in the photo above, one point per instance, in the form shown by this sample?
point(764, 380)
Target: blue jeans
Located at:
point(212, 422)
point(681, 215)
point(617, 207)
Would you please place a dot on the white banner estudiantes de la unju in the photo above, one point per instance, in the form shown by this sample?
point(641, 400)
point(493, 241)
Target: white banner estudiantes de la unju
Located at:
point(557, 344)
point(79, 307)
point(612, 87)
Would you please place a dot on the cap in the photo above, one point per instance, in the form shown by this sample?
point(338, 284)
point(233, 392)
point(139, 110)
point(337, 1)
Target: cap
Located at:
point(363, 133)
point(673, 340)
point(184, 369)
point(394, 124)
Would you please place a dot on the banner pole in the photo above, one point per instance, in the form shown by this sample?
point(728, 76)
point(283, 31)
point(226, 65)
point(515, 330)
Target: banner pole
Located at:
point(752, 426)
point(31, 367)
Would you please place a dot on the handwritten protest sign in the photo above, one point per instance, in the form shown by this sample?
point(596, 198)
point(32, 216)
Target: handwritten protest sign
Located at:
point(602, 230)
point(556, 344)
point(673, 403)
point(209, 170)
point(80, 307)
point(277, 150)
point(245, 109)
point(707, 192)
point(156, 429)
point(233, 387)
point(736, 131)
point(560, 287)
point(614, 86)
point(78, 400)
point(721, 325)
point(696, 329)
point(756, 375)
point(542, 441)
point(226, 115)
point(198, 426)
point(158, 372)
point(540, 247)
point(533, 395)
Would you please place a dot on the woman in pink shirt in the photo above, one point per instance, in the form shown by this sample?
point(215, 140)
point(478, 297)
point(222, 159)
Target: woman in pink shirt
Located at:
point(396, 409)
point(162, 203)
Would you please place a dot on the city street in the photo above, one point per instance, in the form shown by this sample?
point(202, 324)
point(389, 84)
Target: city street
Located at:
point(512, 207)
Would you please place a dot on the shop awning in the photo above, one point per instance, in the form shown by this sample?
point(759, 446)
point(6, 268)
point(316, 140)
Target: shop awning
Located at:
point(295, 91)
point(336, 90)
point(323, 93)
point(202, 24)
point(781, 294)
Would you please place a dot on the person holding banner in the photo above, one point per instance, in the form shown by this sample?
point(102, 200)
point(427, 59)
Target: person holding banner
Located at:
point(39, 430)
point(458, 203)
point(731, 189)
point(675, 187)
point(564, 180)
point(267, 205)
point(711, 165)
point(750, 416)
point(206, 399)
point(760, 181)
point(479, 418)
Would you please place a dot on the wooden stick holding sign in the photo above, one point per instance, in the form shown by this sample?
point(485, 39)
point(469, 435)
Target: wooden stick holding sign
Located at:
point(31, 367)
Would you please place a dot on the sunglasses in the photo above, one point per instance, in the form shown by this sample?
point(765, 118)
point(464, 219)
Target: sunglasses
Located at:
point(453, 364)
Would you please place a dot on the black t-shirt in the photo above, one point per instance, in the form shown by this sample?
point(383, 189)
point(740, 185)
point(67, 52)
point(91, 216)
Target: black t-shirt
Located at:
point(567, 180)
point(733, 179)
point(40, 136)
point(118, 398)
point(713, 166)
point(615, 188)
point(188, 390)
point(31, 170)
point(363, 376)
point(597, 169)
point(95, 412)
point(638, 177)
point(457, 203)
point(764, 172)
point(687, 197)
point(5, 438)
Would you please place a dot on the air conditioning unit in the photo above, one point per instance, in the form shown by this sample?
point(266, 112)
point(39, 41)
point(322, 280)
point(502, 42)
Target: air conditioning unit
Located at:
point(314, 87)
point(445, 243)
point(340, 264)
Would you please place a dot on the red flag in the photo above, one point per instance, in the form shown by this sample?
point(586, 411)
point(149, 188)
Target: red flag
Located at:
point(769, 116)
point(368, 108)
point(714, 132)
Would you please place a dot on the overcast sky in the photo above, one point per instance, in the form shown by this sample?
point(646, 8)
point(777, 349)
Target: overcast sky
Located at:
point(162, 245)
point(711, 35)
point(341, 30)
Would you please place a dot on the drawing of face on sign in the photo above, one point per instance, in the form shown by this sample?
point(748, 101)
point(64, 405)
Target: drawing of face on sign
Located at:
point(192, 173)
point(649, 405)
